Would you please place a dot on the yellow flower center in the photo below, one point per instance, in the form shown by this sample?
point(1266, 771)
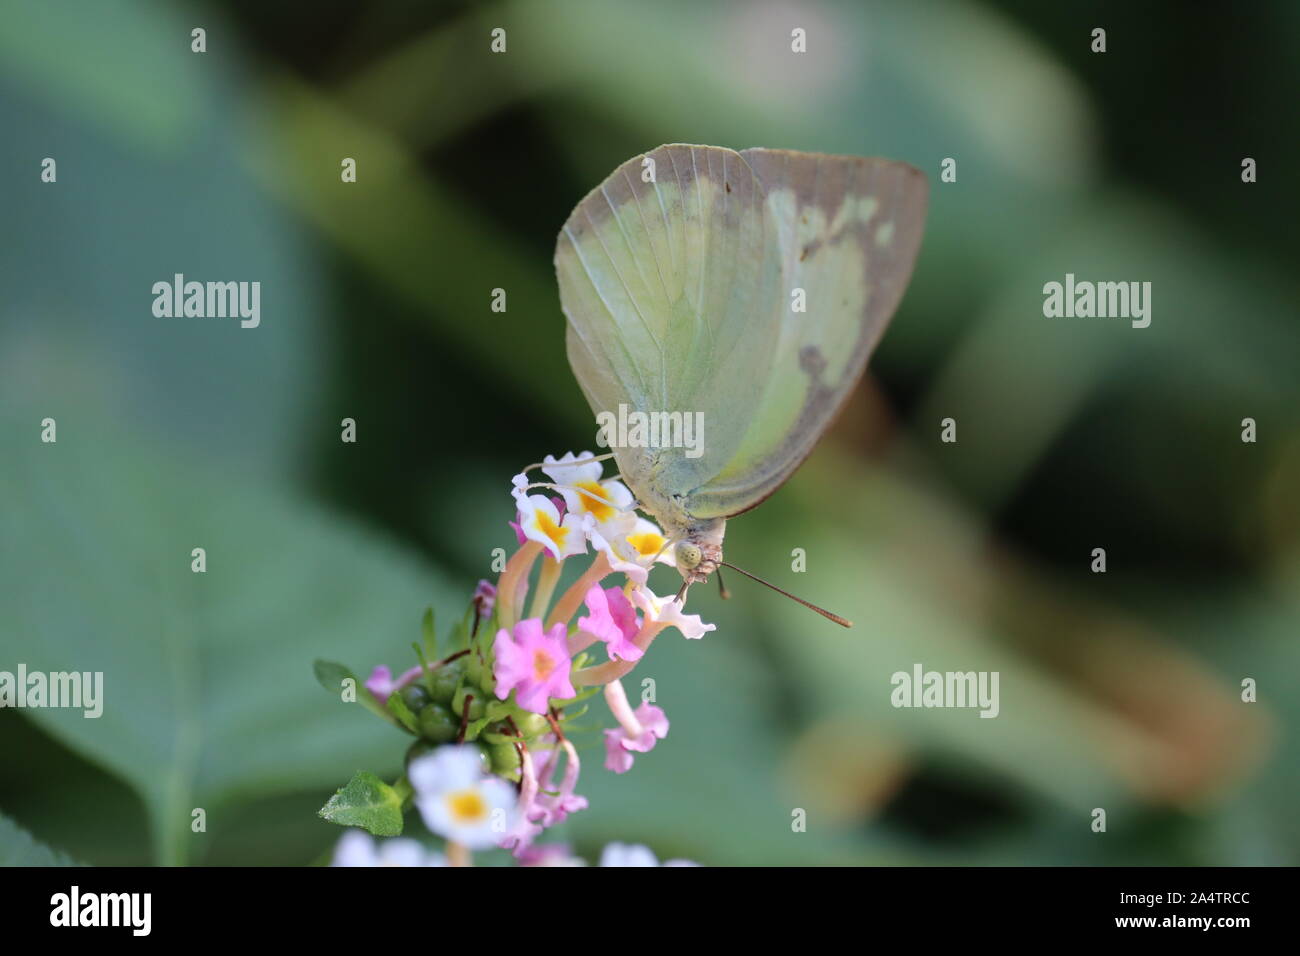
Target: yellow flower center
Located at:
point(542, 665)
point(646, 543)
point(467, 806)
point(550, 529)
point(595, 499)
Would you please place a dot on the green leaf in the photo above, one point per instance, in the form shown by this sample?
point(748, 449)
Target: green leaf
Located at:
point(20, 848)
point(460, 634)
point(331, 676)
point(366, 802)
point(177, 376)
point(397, 706)
point(430, 637)
point(206, 698)
point(426, 671)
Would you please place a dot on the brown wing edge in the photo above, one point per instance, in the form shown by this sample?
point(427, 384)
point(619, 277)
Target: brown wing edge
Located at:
point(913, 187)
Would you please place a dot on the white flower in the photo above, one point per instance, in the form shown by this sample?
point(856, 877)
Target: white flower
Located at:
point(649, 543)
point(667, 611)
point(550, 854)
point(632, 546)
point(357, 848)
point(562, 471)
point(540, 521)
point(585, 494)
point(458, 801)
point(633, 854)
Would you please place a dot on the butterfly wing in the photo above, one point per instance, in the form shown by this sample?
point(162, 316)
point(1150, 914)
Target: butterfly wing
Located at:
point(667, 286)
point(849, 230)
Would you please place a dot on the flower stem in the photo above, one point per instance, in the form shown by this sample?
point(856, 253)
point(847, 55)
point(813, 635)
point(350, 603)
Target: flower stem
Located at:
point(616, 698)
point(613, 670)
point(579, 641)
point(458, 854)
point(546, 581)
point(509, 597)
point(571, 600)
point(464, 718)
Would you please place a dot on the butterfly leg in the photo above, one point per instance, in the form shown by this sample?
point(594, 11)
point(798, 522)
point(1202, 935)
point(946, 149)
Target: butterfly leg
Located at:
point(576, 461)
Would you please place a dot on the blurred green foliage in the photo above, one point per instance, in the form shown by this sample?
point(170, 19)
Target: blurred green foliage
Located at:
point(1119, 690)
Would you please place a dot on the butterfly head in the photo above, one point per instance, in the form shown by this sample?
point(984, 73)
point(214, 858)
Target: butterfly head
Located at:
point(700, 552)
point(688, 556)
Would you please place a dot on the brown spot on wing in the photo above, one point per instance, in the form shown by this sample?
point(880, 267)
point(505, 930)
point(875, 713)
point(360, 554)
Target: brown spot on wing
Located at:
point(812, 362)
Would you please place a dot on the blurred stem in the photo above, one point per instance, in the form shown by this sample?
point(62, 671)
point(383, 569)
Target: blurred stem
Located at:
point(546, 581)
point(570, 601)
point(616, 698)
point(415, 91)
point(513, 583)
point(613, 670)
point(402, 787)
point(579, 641)
point(385, 230)
point(458, 854)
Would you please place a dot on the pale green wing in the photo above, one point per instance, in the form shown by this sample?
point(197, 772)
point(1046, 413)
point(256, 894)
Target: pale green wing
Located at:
point(668, 288)
point(849, 233)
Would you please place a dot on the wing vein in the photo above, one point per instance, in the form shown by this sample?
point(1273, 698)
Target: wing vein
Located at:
point(586, 268)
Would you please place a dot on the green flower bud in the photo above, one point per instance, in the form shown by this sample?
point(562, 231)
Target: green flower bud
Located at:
point(504, 759)
point(416, 696)
point(477, 706)
point(485, 758)
point(530, 725)
point(445, 679)
point(438, 724)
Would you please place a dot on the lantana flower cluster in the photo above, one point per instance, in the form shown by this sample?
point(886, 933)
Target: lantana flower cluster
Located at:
point(495, 763)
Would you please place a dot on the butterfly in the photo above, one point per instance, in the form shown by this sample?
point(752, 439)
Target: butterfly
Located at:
point(743, 290)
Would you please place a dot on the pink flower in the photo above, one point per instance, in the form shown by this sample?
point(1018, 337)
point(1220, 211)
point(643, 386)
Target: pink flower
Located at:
point(485, 600)
point(612, 620)
point(381, 683)
point(541, 803)
point(637, 732)
point(668, 612)
point(621, 743)
point(617, 758)
point(521, 835)
point(533, 663)
point(550, 809)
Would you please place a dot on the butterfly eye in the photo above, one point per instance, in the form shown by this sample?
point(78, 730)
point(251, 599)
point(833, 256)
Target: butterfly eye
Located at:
point(689, 556)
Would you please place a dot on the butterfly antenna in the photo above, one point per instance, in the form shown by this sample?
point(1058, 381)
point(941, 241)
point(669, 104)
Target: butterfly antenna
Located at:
point(843, 622)
point(722, 588)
